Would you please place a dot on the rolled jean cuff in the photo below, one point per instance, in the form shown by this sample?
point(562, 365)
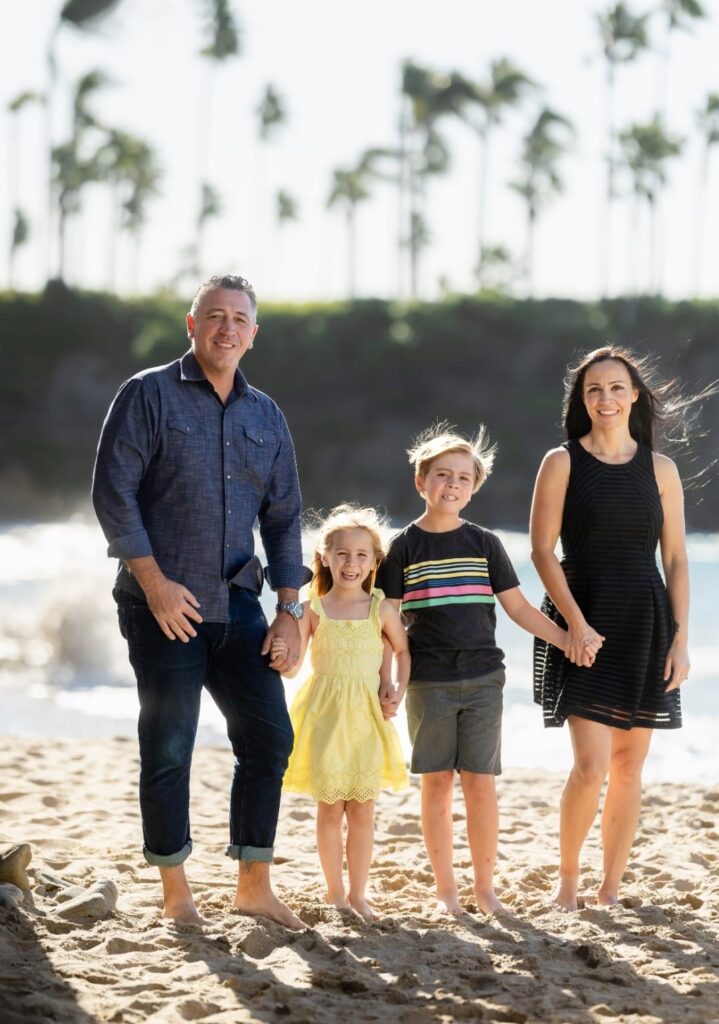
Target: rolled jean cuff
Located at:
point(168, 860)
point(264, 854)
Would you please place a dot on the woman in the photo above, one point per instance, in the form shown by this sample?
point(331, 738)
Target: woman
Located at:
point(611, 498)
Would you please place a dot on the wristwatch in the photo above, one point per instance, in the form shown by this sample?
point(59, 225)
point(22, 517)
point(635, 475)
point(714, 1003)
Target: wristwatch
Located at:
point(293, 608)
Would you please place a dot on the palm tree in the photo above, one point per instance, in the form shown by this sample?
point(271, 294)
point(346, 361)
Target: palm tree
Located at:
point(428, 96)
point(15, 108)
point(539, 179)
point(286, 207)
point(484, 108)
point(349, 188)
point(678, 15)
point(708, 122)
point(19, 235)
point(131, 171)
point(646, 149)
point(85, 16)
point(210, 207)
point(623, 37)
point(271, 111)
point(223, 42)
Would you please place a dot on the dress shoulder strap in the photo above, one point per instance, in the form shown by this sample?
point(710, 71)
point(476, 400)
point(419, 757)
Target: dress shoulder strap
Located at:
point(377, 599)
point(316, 606)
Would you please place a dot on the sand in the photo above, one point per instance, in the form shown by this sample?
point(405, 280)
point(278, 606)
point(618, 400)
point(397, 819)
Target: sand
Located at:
point(67, 956)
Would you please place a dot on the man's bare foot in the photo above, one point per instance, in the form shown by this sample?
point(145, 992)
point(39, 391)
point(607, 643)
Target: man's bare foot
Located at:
point(489, 903)
point(269, 906)
point(184, 913)
point(360, 905)
point(337, 899)
point(565, 894)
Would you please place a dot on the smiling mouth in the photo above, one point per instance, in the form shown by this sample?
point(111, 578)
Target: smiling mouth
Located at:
point(350, 576)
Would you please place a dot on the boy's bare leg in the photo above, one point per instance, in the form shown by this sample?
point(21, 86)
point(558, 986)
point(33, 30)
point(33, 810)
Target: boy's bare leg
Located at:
point(437, 790)
point(480, 798)
point(255, 896)
point(178, 904)
point(591, 743)
point(621, 806)
point(329, 848)
point(360, 840)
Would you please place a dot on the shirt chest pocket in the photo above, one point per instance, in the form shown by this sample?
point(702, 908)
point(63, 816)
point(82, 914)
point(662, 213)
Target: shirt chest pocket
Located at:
point(186, 438)
point(260, 452)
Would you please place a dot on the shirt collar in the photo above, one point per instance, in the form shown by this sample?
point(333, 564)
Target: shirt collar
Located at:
point(190, 369)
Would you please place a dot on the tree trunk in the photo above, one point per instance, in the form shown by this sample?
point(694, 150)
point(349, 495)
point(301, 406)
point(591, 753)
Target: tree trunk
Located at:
point(609, 195)
point(351, 251)
point(482, 201)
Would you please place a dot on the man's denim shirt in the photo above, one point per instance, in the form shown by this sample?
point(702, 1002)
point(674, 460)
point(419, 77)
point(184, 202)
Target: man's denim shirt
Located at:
point(182, 477)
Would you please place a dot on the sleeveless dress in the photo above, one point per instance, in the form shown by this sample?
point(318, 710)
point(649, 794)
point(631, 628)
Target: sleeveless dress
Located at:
point(610, 529)
point(344, 749)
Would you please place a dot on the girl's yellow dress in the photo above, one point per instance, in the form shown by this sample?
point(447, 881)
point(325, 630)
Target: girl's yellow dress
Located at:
point(344, 749)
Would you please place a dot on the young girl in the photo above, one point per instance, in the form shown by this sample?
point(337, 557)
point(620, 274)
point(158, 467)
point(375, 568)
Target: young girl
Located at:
point(344, 749)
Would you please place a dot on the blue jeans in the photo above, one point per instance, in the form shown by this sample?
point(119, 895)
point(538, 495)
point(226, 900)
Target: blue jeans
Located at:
point(224, 657)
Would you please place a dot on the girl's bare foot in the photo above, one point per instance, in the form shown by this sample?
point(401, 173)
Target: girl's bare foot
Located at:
point(360, 905)
point(450, 905)
point(565, 895)
point(489, 903)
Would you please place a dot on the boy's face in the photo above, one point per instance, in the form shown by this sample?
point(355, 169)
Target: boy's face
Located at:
point(448, 484)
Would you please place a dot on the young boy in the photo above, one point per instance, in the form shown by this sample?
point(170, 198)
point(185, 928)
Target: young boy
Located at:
point(444, 574)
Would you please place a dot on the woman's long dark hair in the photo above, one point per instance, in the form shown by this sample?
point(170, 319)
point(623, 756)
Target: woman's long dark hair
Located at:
point(653, 405)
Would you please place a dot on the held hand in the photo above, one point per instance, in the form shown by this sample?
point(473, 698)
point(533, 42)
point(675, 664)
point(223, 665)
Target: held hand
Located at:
point(284, 655)
point(676, 667)
point(175, 609)
point(388, 700)
point(583, 643)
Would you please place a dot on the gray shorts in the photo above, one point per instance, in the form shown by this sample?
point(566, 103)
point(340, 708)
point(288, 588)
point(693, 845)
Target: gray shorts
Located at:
point(456, 725)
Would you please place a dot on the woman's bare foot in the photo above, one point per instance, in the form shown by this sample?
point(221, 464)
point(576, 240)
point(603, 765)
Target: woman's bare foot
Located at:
point(337, 899)
point(607, 897)
point(489, 903)
point(565, 894)
point(269, 906)
point(360, 905)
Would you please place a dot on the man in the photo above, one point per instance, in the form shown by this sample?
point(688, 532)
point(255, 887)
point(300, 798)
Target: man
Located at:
point(189, 456)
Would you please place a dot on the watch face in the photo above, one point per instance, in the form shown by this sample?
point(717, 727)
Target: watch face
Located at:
point(293, 608)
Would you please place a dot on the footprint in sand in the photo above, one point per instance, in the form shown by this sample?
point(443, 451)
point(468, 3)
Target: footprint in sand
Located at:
point(259, 944)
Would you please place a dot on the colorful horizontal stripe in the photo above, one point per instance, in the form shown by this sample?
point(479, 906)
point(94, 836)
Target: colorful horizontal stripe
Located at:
point(447, 581)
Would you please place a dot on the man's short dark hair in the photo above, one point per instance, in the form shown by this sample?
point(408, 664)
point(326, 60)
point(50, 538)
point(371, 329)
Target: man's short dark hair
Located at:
point(231, 281)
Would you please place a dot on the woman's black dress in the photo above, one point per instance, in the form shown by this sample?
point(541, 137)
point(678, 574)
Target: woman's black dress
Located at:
point(610, 529)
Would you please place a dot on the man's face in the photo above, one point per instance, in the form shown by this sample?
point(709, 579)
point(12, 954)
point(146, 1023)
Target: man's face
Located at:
point(221, 331)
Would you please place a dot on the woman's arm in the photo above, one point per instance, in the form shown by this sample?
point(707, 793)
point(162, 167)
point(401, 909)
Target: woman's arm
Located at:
point(676, 567)
point(394, 631)
point(307, 624)
point(550, 491)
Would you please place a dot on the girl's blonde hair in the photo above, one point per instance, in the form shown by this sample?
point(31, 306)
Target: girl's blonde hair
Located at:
point(443, 438)
point(346, 517)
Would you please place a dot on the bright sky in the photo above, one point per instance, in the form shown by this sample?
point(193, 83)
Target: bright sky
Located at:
point(338, 66)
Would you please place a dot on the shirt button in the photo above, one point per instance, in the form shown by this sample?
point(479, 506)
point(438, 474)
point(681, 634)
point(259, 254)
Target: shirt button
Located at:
point(229, 511)
point(228, 476)
point(227, 545)
point(227, 443)
point(260, 440)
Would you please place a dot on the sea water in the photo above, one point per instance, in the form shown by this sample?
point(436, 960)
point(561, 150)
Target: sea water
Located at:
point(64, 671)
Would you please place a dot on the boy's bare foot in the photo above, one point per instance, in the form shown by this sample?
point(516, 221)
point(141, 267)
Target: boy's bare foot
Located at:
point(565, 894)
point(269, 906)
point(337, 899)
point(360, 905)
point(489, 903)
point(184, 913)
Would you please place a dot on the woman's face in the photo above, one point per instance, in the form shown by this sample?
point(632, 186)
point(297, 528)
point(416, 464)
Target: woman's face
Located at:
point(608, 394)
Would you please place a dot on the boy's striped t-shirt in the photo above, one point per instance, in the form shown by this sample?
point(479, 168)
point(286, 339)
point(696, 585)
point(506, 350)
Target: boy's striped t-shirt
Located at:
point(447, 584)
point(447, 581)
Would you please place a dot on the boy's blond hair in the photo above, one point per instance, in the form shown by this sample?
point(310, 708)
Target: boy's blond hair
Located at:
point(443, 438)
point(346, 517)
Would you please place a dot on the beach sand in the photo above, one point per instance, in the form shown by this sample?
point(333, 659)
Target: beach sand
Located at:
point(65, 956)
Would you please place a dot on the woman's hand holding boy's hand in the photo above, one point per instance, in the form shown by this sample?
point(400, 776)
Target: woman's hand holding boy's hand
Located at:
point(583, 644)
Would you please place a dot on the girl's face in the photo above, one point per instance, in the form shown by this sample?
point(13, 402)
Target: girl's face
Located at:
point(608, 393)
point(350, 557)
